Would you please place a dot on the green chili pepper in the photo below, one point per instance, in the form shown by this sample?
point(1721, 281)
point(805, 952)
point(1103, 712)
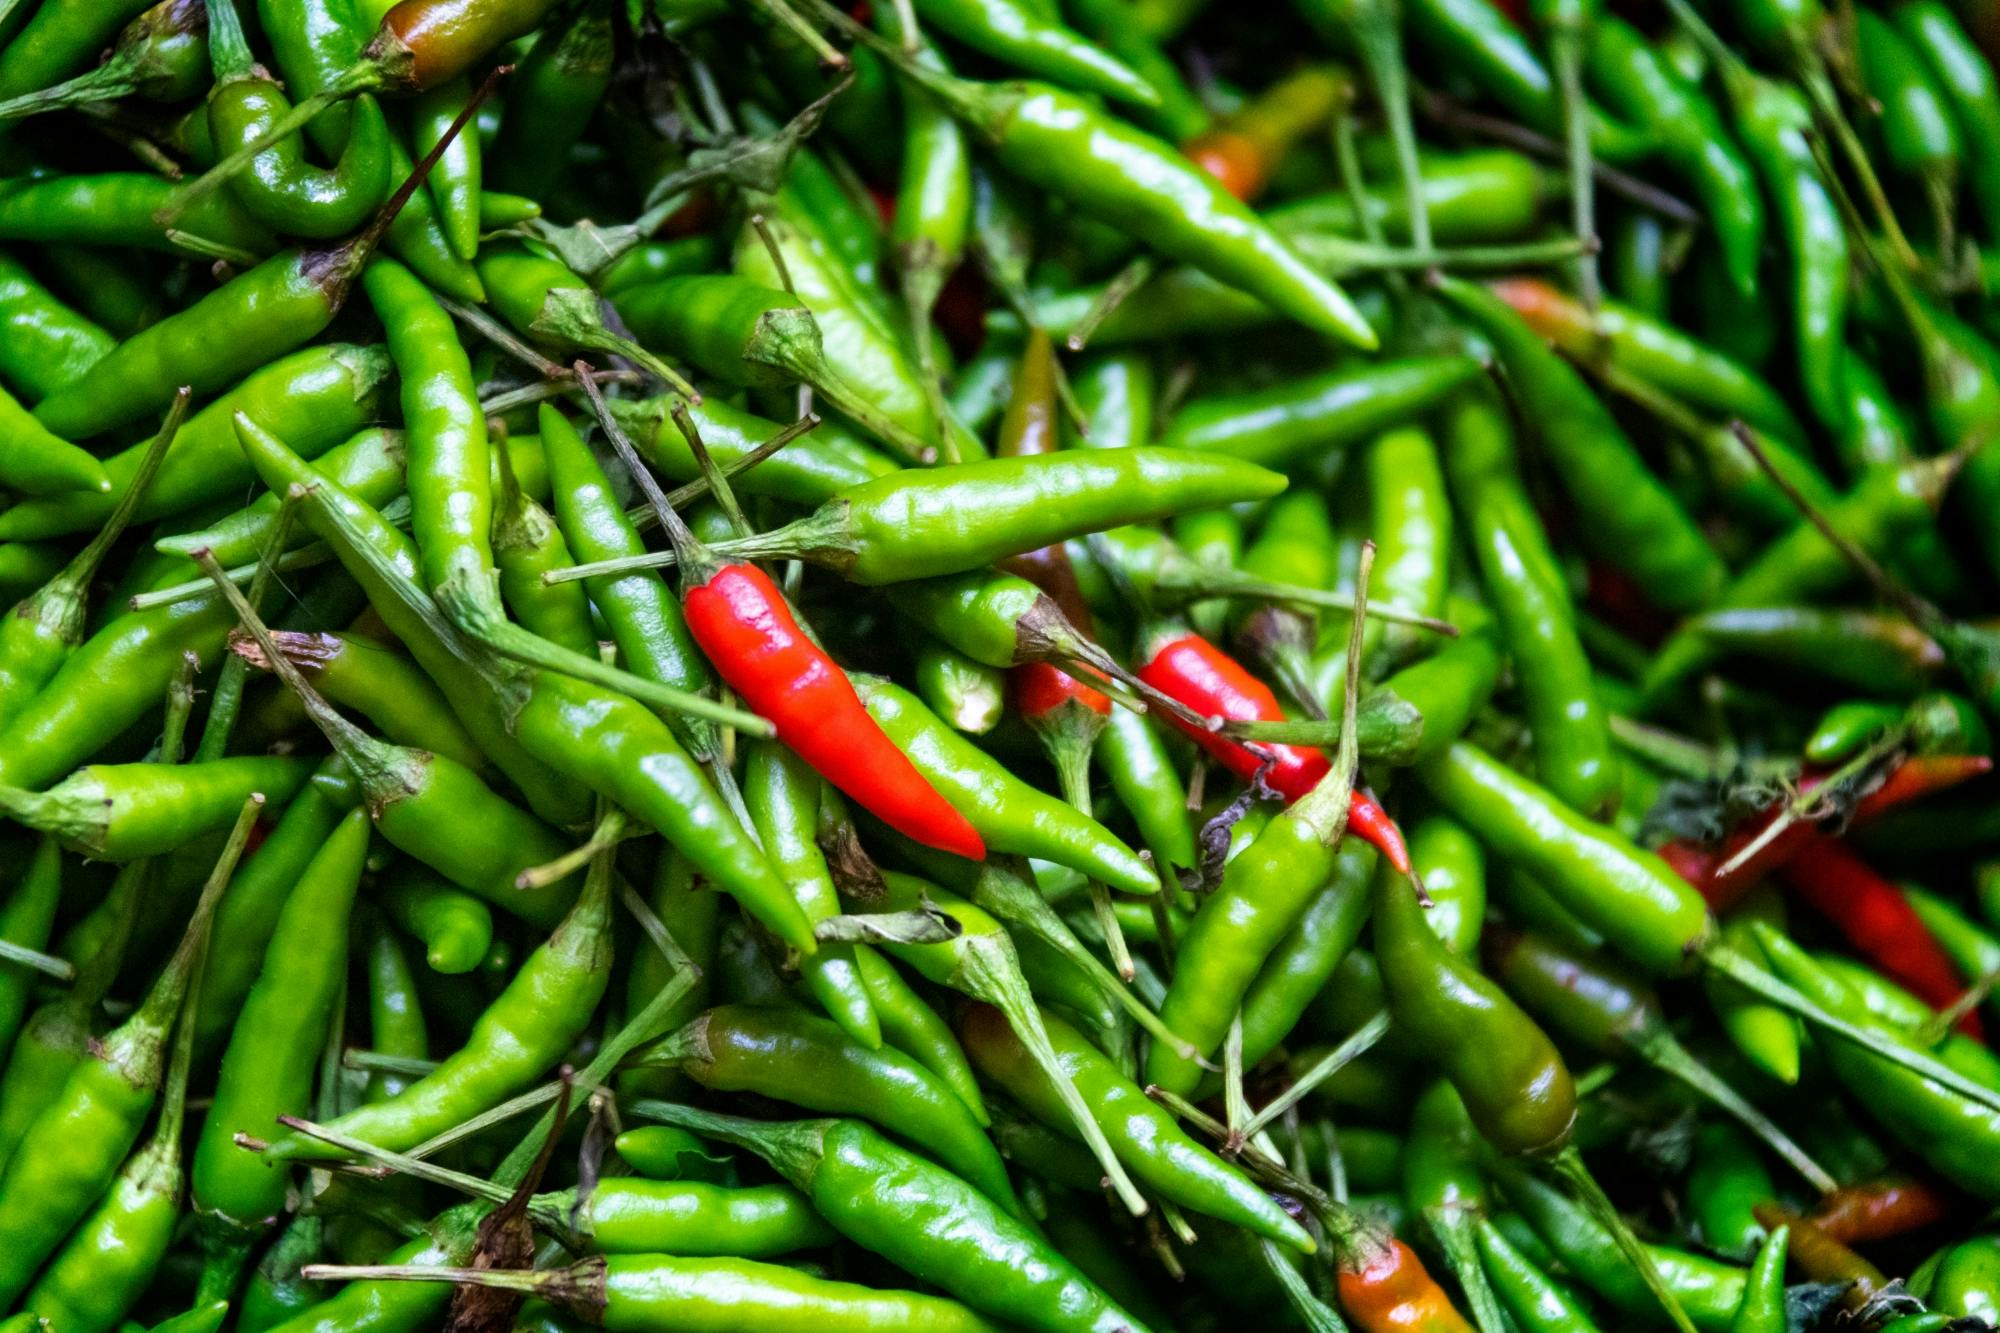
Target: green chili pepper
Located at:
point(121, 812)
point(28, 919)
point(1918, 126)
point(445, 433)
point(1480, 42)
point(1858, 649)
point(647, 1291)
point(1960, 70)
point(547, 302)
point(1767, 1036)
point(815, 318)
point(1296, 420)
point(1639, 84)
point(1528, 592)
point(273, 1053)
point(48, 345)
point(1803, 564)
point(1763, 1309)
point(1967, 1284)
point(630, 1216)
point(1146, 1138)
point(1537, 1304)
point(1513, 1082)
point(111, 1259)
point(1009, 815)
point(783, 797)
point(116, 209)
point(1726, 1181)
point(318, 397)
point(1776, 126)
point(72, 1149)
point(60, 40)
point(522, 1034)
point(1710, 1291)
point(549, 103)
point(1633, 521)
point(808, 472)
point(454, 181)
point(920, 1217)
point(945, 520)
point(1953, 1133)
point(387, 688)
point(1647, 912)
point(396, 1307)
point(1015, 33)
point(455, 928)
point(1451, 685)
point(1110, 171)
point(745, 333)
point(798, 1058)
point(1177, 114)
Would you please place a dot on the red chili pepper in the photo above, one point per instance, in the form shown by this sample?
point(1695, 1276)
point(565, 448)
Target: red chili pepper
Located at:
point(1236, 160)
point(1881, 1209)
point(1915, 778)
point(1194, 671)
point(1386, 1289)
point(1877, 920)
point(747, 630)
point(1041, 690)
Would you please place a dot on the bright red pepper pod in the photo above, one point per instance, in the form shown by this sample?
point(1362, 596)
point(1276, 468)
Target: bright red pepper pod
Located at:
point(1195, 672)
point(1040, 689)
point(1878, 921)
point(744, 625)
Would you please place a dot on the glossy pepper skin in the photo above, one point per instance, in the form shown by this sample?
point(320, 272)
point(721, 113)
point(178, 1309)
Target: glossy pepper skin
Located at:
point(1007, 814)
point(746, 628)
point(1514, 1084)
point(275, 1045)
point(799, 1058)
point(1634, 522)
point(1640, 85)
point(1955, 1135)
point(1649, 913)
point(926, 1221)
point(523, 1033)
point(925, 522)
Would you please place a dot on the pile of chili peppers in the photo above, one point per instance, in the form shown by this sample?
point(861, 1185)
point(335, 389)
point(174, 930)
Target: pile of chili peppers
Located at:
point(1068, 665)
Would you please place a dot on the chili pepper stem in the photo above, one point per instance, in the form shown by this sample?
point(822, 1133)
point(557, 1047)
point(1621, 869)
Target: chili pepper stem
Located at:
point(1378, 35)
point(547, 1282)
point(571, 316)
point(1754, 978)
point(1569, 1167)
point(787, 339)
point(1451, 1226)
point(1566, 54)
point(922, 280)
point(1068, 749)
point(1324, 808)
point(472, 614)
point(1665, 1053)
point(59, 603)
point(1314, 1313)
point(226, 702)
point(1019, 903)
point(1947, 1018)
point(1123, 283)
point(502, 337)
point(612, 830)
